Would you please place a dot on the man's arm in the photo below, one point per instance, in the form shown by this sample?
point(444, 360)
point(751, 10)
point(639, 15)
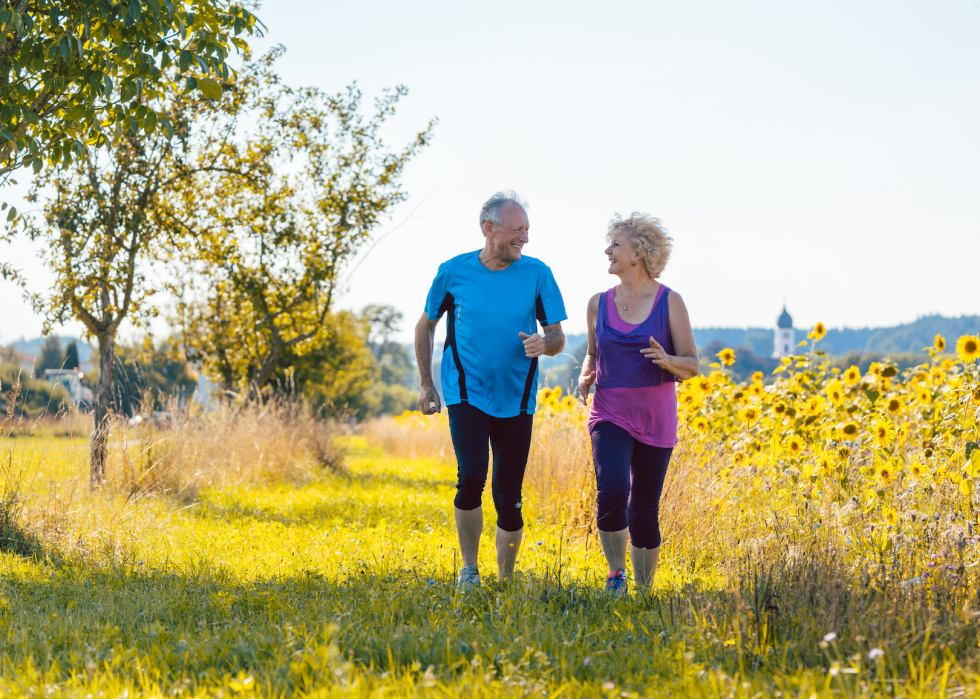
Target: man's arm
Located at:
point(425, 332)
point(551, 344)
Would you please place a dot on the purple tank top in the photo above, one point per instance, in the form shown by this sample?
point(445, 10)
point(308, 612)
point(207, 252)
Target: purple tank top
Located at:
point(648, 411)
point(619, 363)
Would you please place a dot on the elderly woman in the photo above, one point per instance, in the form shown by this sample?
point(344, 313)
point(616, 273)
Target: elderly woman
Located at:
point(640, 343)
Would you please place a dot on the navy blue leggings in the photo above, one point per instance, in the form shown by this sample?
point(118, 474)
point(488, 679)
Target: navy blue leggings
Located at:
point(630, 479)
point(473, 433)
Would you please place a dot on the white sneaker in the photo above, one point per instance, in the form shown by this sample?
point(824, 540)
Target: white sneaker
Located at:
point(469, 577)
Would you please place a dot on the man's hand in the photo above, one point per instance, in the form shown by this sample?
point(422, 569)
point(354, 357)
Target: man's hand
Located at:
point(429, 401)
point(585, 385)
point(657, 354)
point(533, 344)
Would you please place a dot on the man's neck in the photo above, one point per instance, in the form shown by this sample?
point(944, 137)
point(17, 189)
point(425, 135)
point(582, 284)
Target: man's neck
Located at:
point(492, 261)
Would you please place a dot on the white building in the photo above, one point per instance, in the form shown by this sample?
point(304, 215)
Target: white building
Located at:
point(785, 336)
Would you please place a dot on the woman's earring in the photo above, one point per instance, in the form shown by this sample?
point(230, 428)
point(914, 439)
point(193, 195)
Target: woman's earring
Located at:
point(634, 263)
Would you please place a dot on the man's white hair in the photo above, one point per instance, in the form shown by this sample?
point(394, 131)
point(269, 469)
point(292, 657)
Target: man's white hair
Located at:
point(494, 205)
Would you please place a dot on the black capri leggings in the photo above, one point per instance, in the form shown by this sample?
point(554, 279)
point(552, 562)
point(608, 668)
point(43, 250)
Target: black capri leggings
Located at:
point(630, 479)
point(473, 433)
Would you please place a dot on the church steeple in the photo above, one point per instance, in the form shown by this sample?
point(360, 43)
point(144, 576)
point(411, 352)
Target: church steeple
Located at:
point(784, 337)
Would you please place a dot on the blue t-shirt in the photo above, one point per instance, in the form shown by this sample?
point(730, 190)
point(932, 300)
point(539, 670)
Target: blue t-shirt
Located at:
point(483, 361)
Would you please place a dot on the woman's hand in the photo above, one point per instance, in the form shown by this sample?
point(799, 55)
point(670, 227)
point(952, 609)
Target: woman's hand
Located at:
point(657, 354)
point(584, 386)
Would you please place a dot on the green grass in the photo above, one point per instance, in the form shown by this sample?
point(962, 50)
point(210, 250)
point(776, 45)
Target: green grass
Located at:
point(344, 586)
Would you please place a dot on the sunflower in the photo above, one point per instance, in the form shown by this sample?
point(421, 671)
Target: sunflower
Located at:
point(916, 469)
point(890, 515)
point(699, 424)
point(939, 343)
point(923, 395)
point(569, 403)
point(849, 430)
point(883, 432)
point(756, 390)
point(779, 407)
point(968, 348)
point(895, 405)
point(852, 375)
point(946, 364)
point(818, 332)
point(835, 391)
point(844, 454)
point(704, 383)
point(757, 377)
point(825, 464)
point(795, 446)
point(557, 392)
point(975, 394)
point(886, 474)
point(545, 394)
point(727, 356)
point(814, 405)
point(750, 414)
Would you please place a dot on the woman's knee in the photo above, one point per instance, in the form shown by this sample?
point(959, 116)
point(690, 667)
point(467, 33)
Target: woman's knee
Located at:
point(509, 505)
point(644, 526)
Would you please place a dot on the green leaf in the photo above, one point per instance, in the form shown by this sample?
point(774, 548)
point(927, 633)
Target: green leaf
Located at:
point(124, 51)
point(37, 164)
point(889, 371)
point(150, 122)
point(210, 88)
point(872, 395)
point(6, 135)
point(12, 214)
point(970, 448)
point(107, 84)
point(185, 59)
point(128, 90)
point(191, 84)
point(65, 47)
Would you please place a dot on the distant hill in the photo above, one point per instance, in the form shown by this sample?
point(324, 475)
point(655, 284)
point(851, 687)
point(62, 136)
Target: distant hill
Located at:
point(910, 337)
point(33, 346)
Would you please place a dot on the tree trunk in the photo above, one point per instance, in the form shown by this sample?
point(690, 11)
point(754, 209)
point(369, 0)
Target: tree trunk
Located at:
point(103, 401)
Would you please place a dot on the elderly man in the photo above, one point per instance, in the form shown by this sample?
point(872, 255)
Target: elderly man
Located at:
point(493, 300)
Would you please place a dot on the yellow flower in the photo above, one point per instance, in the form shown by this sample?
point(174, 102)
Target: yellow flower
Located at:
point(886, 474)
point(750, 414)
point(569, 403)
point(699, 424)
point(704, 383)
point(818, 332)
point(557, 392)
point(975, 395)
point(923, 396)
point(875, 368)
point(835, 391)
point(890, 515)
point(917, 470)
point(939, 343)
point(849, 430)
point(757, 377)
point(727, 356)
point(946, 364)
point(968, 348)
point(895, 405)
point(844, 454)
point(795, 446)
point(545, 394)
point(852, 375)
point(883, 432)
point(756, 390)
point(814, 405)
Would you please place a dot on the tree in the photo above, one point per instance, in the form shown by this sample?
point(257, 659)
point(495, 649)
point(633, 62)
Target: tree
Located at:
point(71, 356)
point(272, 245)
point(107, 221)
point(50, 356)
point(76, 74)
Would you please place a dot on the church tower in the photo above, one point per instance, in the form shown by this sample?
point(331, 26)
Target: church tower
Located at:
point(785, 337)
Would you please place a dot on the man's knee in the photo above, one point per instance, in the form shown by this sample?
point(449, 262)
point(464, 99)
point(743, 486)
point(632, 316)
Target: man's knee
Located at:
point(469, 491)
point(508, 505)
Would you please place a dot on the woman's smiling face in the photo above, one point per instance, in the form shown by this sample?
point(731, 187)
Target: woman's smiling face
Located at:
point(620, 254)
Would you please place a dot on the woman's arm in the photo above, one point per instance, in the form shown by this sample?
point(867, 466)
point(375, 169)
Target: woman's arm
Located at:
point(684, 363)
point(587, 378)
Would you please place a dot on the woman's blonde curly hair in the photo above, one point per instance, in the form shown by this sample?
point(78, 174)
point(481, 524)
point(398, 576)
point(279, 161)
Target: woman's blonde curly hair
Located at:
point(648, 237)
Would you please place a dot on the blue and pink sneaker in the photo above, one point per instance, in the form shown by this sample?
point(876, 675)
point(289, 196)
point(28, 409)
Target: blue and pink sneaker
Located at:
point(616, 583)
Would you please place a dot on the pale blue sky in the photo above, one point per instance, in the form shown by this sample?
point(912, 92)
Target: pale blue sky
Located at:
point(828, 153)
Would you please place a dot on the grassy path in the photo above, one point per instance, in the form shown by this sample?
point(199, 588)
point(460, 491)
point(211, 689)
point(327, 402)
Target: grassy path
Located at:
point(345, 586)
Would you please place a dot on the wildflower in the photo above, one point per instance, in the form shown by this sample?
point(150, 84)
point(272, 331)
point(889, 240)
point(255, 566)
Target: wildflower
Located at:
point(883, 432)
point(757, 377)
point(835, 392)
point(852, 375)
point(939, 343)
point(727, 356)
point(968, 348)
point(895, 405)
point(886, 474)
point(818, 332)
point(830, 636)
point(875, 653)
point(850, 429)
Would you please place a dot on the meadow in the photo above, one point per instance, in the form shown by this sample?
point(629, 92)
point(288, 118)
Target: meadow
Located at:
point(819, 540)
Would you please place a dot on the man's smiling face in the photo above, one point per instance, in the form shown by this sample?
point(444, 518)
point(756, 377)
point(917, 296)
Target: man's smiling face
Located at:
point(512, 234)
